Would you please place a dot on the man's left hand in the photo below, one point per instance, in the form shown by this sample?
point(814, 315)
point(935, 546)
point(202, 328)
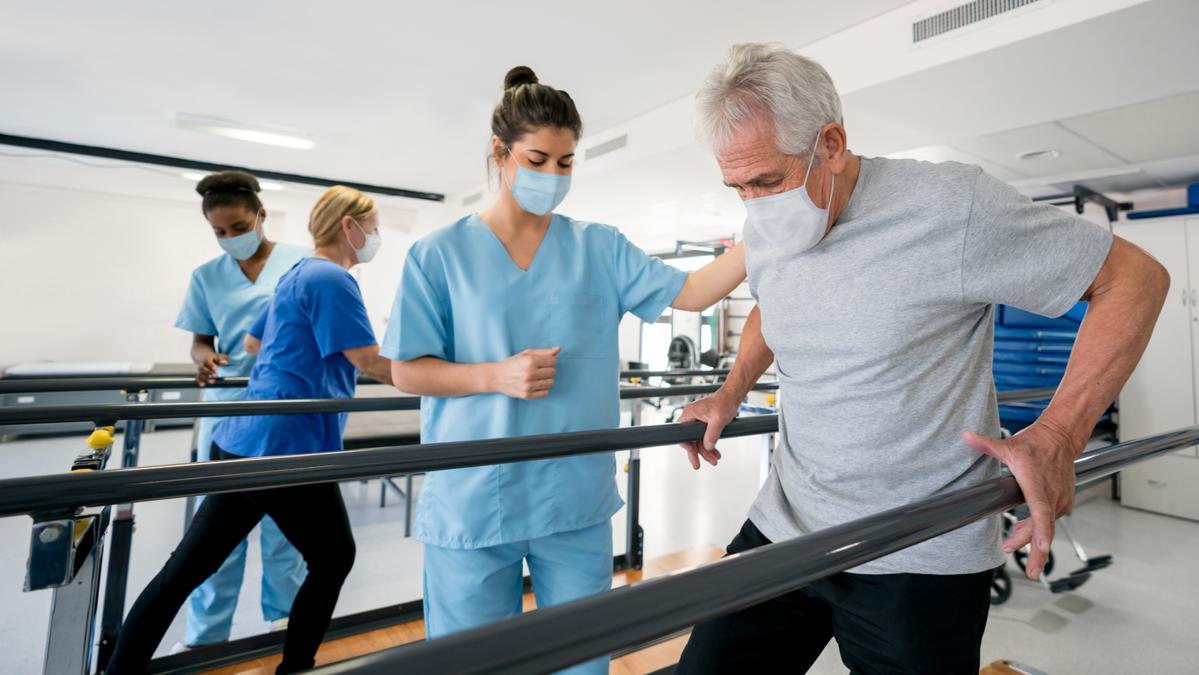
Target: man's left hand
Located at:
point(1041, 457)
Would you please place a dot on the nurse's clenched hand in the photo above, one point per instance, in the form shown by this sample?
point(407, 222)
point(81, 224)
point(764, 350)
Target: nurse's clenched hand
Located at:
point(207, 371)
point(528, 375)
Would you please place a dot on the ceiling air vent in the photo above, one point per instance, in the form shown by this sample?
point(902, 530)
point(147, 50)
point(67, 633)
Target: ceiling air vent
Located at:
point(472, 199)
point(606, 147)
point(962, 16)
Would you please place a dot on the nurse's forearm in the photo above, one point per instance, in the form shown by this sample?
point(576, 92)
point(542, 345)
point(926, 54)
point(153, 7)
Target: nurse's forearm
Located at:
point(203, 348)
point(528, 375)
point(713, 282)
point(430, 376)
point(368, 360)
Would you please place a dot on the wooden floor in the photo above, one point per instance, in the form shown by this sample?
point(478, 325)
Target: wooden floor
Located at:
point(645, 661)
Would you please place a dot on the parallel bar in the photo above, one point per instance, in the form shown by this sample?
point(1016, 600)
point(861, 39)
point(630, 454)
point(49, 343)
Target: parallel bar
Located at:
point(42, 385)
point(556, 637)
point(64, 492)
point(1017, 395)
point(699, 372)
point(198, 165)
point(112, 412)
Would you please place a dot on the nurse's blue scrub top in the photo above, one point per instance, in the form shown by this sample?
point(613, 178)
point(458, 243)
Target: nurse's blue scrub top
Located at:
point(463, 299)
point(223, 303)
point(316, 314)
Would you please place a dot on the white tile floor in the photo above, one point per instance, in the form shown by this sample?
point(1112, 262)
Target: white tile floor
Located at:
point(1139, 615)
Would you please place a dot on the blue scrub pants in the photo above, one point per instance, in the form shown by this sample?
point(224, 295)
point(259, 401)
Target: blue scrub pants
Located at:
point(466, 588)
point(210, 607)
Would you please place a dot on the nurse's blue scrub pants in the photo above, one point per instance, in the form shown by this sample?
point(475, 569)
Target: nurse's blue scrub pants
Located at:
point(466, 588)
point(210, 607)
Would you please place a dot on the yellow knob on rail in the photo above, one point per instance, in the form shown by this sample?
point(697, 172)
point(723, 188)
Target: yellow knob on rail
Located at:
point(772, 399)
point(100, 438)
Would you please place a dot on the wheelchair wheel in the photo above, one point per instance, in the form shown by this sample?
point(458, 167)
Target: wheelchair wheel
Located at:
point(1001, 586)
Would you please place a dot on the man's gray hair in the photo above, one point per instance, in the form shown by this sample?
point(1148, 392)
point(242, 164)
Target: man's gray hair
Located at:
point(793, 91)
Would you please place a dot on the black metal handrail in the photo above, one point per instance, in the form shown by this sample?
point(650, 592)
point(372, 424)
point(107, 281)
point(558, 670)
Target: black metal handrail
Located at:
point(556, 637)
point(58, 493)
point(109, 413)
point(29, 384)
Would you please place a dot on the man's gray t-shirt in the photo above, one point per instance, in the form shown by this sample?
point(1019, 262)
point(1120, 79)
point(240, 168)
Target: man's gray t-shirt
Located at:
point(883, 334)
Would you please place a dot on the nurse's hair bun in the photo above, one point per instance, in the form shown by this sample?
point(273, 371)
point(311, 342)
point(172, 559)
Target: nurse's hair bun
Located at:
point(518, 76)
point(227, 182)
point(229, 188)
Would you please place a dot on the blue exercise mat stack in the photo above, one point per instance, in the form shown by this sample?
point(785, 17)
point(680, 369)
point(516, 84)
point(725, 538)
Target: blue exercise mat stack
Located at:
point(1031, 352)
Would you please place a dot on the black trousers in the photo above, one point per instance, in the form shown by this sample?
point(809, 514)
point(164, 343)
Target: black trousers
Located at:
point(314, 520)
point(884, 623)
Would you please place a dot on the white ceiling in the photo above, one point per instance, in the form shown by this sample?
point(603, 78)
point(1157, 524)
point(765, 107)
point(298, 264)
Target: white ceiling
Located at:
point(397, 94)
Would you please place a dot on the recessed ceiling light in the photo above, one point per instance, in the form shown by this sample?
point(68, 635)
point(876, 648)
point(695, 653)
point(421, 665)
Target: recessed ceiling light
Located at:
point(286, 138)
point(196, 177)
point(1034, 155)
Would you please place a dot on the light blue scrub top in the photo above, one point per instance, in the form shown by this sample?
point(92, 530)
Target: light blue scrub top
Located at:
point(223, 303)
point(463, 299)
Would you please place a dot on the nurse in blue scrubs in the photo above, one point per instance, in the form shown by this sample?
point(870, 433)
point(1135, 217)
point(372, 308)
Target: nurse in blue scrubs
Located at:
point(506, 323)
point(225, 296)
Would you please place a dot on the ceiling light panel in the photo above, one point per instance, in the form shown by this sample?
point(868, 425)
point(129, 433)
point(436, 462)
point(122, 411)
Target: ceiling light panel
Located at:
point(265, 135)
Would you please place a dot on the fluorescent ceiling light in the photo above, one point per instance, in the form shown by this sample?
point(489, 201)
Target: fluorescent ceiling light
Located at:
point(1034, 155)
point(286, 138)
point(196, 177)
point(1077, 177)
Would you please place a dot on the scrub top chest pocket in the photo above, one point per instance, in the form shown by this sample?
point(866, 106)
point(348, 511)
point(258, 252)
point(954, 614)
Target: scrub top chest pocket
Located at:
point(579, 323)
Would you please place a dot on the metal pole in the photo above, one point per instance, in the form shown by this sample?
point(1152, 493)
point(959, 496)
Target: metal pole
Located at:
point(63, 492)
point(634, 534)
point(120, 548)
point(73, 618)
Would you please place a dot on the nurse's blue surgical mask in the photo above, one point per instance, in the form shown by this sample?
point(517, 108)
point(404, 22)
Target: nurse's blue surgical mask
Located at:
point(790, 220)
point(245, 245)
point(538, 192)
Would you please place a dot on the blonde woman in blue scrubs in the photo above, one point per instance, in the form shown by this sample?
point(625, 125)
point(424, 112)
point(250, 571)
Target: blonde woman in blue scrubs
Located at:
point(226, 295)
point(506, 322)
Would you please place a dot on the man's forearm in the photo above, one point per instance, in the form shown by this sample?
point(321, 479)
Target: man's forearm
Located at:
point(1119, 322)
point(753, 358)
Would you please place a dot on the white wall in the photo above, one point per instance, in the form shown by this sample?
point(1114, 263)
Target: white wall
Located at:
point(97, 275)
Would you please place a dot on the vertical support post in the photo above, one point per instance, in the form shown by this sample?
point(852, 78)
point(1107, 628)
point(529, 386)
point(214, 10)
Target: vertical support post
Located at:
point(766, 454)
point(73, 615)
point(408, 505)
point(120, 549)
point(635, 536)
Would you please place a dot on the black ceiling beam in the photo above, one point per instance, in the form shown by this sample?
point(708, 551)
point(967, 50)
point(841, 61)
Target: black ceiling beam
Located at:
point(183, 163)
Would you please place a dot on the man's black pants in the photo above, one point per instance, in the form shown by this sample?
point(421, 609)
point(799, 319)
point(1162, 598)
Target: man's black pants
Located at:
point(883, 623)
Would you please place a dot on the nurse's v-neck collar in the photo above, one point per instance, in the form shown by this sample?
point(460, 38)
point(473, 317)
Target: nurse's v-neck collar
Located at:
point(478, 222)
point(261, 272)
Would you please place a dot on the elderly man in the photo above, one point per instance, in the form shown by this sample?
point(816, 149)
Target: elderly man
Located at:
point(876, 281)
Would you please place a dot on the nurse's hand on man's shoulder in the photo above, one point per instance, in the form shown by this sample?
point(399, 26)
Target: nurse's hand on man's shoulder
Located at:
point(207, 373)
point(528, 375)
point(717, 410)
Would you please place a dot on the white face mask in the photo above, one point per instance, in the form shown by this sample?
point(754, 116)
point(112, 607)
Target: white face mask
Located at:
point(373, 240)
point(790, 220)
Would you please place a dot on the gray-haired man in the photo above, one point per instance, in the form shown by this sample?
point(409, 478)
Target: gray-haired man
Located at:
point(876, 281)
